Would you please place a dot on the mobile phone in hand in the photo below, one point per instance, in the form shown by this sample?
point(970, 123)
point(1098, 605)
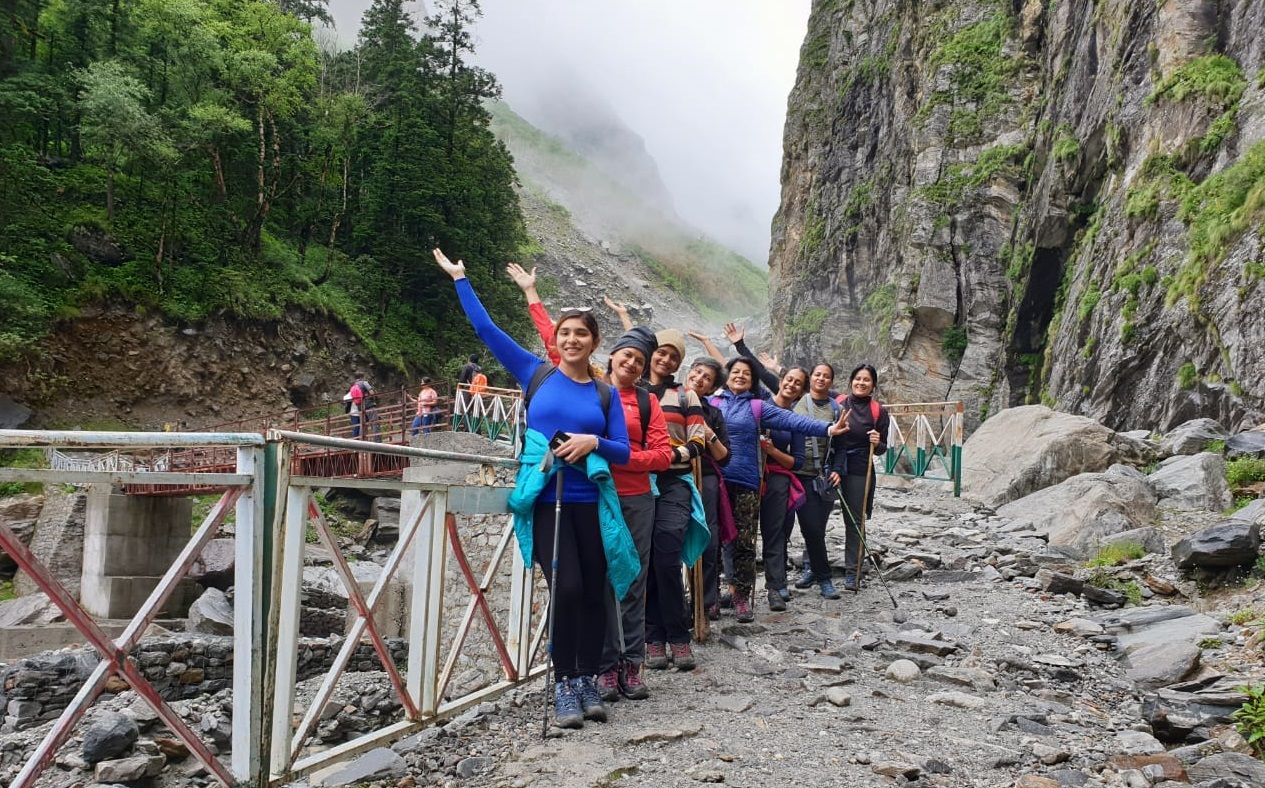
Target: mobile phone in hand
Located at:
point(558, 439)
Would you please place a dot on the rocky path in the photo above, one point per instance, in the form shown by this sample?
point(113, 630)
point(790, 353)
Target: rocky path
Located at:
point(980, 678)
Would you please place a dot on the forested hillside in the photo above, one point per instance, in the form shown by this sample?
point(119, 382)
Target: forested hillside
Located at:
point(200, 158)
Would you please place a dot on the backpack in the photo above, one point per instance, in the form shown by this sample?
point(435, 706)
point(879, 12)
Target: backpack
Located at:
point(478, 383)
point(364, 402)
point(643, 410)
point(542, 374)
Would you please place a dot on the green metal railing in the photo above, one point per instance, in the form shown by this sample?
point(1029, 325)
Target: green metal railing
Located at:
point(924, 441)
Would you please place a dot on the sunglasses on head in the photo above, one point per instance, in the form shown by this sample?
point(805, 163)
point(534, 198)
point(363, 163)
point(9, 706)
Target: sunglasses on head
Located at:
point(575, 310)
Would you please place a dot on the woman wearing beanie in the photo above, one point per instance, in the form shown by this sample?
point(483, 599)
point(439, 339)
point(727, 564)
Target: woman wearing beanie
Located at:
point(625, 648)
point(667, 626)
point(705, 377)
point(594, 547)
point(745, 416)
point(819, 495)
point(867, 423)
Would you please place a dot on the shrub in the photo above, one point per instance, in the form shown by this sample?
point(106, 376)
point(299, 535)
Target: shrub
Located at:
point(1249, 719)
point(953, 342)
point(1116, 554)
point(1187, 376)
point(1130, 588)
point(1242, 616)
point(1244, 471)
point(21, 458)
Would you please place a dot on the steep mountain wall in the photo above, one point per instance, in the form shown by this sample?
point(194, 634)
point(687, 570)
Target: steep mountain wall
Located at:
point(1011, 202)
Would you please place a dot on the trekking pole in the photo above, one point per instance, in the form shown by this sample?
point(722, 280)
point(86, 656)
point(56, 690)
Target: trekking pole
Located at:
point(866, 549)
point(553, 586)
point(865, 500)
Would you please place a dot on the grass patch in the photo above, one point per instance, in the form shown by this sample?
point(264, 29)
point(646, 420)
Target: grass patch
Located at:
point(1211, 643)
point(22, 458)
point(1216, 78)
point(1089, 301)
point(1130, 588)
point(953, 342)
point(1066, 146)
point(951, 189)
point(1187, 376)
point(1116, 554)
point(807, 322)
point(1244, 471)
point(6, 591)
point(981, 73)
point(1243, 616)
point(1216, 447)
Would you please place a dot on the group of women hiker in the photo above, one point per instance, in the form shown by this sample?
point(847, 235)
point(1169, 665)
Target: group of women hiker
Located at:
point(628, 473)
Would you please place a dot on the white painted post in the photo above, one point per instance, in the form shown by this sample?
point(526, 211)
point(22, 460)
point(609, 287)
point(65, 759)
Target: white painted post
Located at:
point(426, 610)
point(519, 629)
point(290, 593)
point(249, 621)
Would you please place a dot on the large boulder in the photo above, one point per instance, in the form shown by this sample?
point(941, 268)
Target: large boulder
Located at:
point(1193, 436)
point(1160, 645)
point(1022, 450)
point(29, 610)
point(1195, 482)
point(215, 567)
point(19, 513)
point(1254, 512)
point(1228, 768)
point(1246, 444)
point(58, 540)
point(110, 734)
point(387, 512)
point(212, 614)
point(1078, 514)
point(13, 414)
point(1229, 543)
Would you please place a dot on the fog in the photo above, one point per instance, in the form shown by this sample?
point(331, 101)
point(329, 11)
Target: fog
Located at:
point(703, 82)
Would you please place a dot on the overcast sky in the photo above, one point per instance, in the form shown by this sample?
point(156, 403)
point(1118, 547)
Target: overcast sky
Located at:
point(704, 82)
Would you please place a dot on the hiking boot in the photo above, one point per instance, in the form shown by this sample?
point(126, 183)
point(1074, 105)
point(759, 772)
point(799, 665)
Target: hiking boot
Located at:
point(630, 682)
point(726, 600)
point(805, 579)
point(742, 610)
point(590, 700)
point(656, 656)
point(828, 590)
point(566, 706)
point(682, 656)
point(776, 602)
point(608, 685)
point(851, 584)
point(785, 593)
point(713, 612)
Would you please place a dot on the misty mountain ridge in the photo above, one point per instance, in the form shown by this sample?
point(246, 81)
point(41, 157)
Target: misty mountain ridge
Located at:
point(624, 216)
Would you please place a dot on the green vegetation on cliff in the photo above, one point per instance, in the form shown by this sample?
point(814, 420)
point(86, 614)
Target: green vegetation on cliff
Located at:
point(196, 157)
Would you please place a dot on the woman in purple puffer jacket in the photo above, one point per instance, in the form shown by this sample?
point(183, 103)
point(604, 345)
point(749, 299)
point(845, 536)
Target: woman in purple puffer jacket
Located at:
point(745, 416)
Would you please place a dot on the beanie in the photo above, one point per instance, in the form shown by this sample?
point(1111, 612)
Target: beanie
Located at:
point(673, 338)
point(638, 338)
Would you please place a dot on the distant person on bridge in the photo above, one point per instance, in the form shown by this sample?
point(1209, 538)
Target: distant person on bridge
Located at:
point(574, 420)
point(359, 405)
point(468, 371)
point(427, 411)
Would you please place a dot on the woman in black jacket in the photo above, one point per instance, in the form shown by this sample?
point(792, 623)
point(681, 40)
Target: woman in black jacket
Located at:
point(868, 423)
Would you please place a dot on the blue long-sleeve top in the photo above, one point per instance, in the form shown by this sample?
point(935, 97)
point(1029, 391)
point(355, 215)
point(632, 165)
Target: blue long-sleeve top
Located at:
point(559, 404)
point(788, 441)
point(743, 468)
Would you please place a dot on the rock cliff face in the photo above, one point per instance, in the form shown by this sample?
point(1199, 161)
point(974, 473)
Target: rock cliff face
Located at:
point(1018, 202)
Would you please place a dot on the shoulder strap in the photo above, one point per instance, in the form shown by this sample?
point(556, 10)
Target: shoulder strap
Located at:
point(875, 409)
point(757, 410)
point(643, 409)
point(538, 378)
point(604, 398)
point(715, 401)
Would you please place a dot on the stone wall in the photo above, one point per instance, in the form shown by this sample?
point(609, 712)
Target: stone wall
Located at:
point(36, 689)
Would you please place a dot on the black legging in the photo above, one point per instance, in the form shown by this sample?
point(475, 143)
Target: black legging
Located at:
point(579, 601)
point(813, 515)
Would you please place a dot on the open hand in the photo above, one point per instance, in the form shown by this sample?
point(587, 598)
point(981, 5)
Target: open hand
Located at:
point(456, 270)
point(615, 306)
point(699, 336)
point(770, 362)
point(734, 333)
point(521, 276)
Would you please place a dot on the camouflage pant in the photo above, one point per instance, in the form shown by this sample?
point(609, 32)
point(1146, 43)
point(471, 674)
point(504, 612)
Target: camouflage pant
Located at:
point(746, 508)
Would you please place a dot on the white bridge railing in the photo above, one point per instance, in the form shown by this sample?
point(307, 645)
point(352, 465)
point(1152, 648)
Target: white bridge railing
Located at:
point(268, 745)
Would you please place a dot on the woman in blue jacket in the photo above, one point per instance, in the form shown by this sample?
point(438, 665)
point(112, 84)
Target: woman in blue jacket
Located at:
point(743, 472)
point(569, 401)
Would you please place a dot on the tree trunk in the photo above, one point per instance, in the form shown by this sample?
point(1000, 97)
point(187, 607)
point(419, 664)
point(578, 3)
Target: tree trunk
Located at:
point(109, 195)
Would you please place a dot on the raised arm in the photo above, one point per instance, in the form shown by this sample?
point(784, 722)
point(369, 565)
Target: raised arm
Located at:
point(780, 419)
point(520, 362)
point(709, 346)
point(526, 281)
point(621, 311)
point(736, 335)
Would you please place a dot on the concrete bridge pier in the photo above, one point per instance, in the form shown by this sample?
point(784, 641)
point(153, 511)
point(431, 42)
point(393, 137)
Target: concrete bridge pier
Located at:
point(130, 541)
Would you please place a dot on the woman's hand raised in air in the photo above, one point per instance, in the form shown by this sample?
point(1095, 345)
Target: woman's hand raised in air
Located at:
point(621, 311)
point(841, 424)
point(734, 333)
point(456, 270)
point(525, 280)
